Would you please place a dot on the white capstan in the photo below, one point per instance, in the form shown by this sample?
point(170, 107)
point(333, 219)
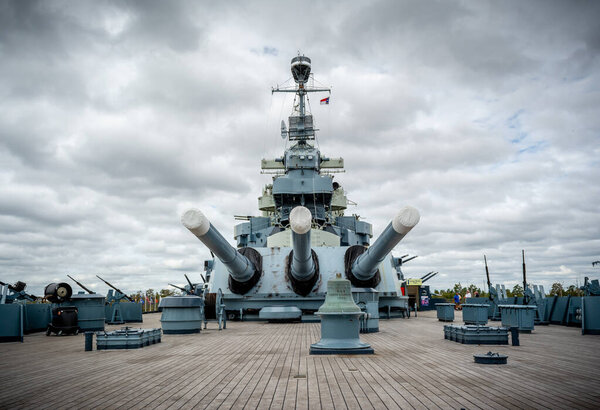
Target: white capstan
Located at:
point(300, 220)
point(405, 220)
point(195, 221)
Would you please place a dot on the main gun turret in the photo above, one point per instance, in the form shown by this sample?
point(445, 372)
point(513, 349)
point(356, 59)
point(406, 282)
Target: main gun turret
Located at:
point(244, 266)
point(362, 263)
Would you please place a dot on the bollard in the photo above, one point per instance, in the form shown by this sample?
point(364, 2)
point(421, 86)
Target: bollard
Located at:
point(514, 333)
point(89, 341)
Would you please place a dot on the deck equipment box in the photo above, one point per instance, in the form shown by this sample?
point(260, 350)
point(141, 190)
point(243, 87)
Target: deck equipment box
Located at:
point(521, 316)
point(478, 335)
point(445, 312)
point(475, 313)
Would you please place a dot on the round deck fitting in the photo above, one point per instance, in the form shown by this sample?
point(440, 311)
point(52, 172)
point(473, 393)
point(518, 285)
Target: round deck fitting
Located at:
point(490, 358)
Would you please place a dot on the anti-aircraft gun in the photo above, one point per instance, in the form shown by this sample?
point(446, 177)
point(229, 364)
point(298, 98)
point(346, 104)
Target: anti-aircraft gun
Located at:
point(17, 292)
point(590, 287)
point(285, 257)
point(81, 285)
point(191, 288)
point(117, 312)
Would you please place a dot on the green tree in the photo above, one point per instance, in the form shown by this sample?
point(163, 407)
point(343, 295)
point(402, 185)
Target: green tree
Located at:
point(557, 289)
point(573, 290)
point(517, 290)
point(166, 292)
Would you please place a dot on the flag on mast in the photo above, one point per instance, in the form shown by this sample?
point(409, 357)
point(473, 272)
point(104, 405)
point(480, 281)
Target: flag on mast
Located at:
point(325, 101)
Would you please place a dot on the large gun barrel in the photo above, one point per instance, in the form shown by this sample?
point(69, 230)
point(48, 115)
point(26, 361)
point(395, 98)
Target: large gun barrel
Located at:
point(115, 288)
point(365, 266)
point(302, 261)
point(244, 273)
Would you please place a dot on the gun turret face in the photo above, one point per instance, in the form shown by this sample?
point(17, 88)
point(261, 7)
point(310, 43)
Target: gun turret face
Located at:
point(302, 261)
point(362, 265)
point(244, 270)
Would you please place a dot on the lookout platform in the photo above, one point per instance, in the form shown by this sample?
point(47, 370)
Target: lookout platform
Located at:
point(261, 365)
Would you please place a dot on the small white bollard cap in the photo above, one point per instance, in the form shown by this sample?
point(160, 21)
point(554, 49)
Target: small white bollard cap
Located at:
point(300, 220)
point(406, 219)
point(195, 221)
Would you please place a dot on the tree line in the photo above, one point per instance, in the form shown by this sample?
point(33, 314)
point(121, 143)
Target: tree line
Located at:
point(557, 289)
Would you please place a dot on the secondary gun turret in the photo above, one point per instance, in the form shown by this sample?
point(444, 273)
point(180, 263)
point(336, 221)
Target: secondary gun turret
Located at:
point(244, 265)
point(302, 263)
point(362, 263)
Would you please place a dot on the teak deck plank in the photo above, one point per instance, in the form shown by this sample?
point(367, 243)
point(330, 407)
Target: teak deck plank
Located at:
point(260, 365)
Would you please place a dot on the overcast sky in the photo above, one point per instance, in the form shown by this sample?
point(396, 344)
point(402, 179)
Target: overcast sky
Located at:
point(115, 117)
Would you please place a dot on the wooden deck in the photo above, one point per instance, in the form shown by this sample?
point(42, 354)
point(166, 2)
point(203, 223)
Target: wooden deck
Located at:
point(259, 365)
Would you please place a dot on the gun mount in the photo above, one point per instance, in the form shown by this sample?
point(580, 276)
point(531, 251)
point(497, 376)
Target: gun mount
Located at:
point(116, 289)
point(243, 274)
point(590, 287)
point(363, 263)
point(178, 287)
point(18, 292)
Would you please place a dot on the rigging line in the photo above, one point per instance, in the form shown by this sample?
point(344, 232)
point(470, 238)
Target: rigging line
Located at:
point(314, 125)
point(267, 126)
point(281, 114)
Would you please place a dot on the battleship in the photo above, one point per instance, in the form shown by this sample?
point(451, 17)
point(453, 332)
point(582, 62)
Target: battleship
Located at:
point(285, 257)
point(293, 249)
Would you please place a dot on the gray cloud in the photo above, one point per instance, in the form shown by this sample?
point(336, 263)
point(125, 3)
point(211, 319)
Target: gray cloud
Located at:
point(117, 116)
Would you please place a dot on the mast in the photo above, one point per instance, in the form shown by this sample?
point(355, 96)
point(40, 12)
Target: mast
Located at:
point(301, 125)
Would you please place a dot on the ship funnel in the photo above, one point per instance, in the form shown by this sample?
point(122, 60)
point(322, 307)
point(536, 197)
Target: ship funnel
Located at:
point(244, 265)
point(301, 69)
point(362, 263)
point(302, 261)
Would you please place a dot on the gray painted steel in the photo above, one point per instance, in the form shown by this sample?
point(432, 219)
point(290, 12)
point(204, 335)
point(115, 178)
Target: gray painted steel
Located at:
point(37, 317)
point(303, 266)
point(475, 314)
point(181, 314)
point(280, 313)
point(238, 266)
point(445, 312)
point(590, 315)
point(483, 335)
point(11, 322)
point(90, 311)
point(366, 265)
point(519, 316)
